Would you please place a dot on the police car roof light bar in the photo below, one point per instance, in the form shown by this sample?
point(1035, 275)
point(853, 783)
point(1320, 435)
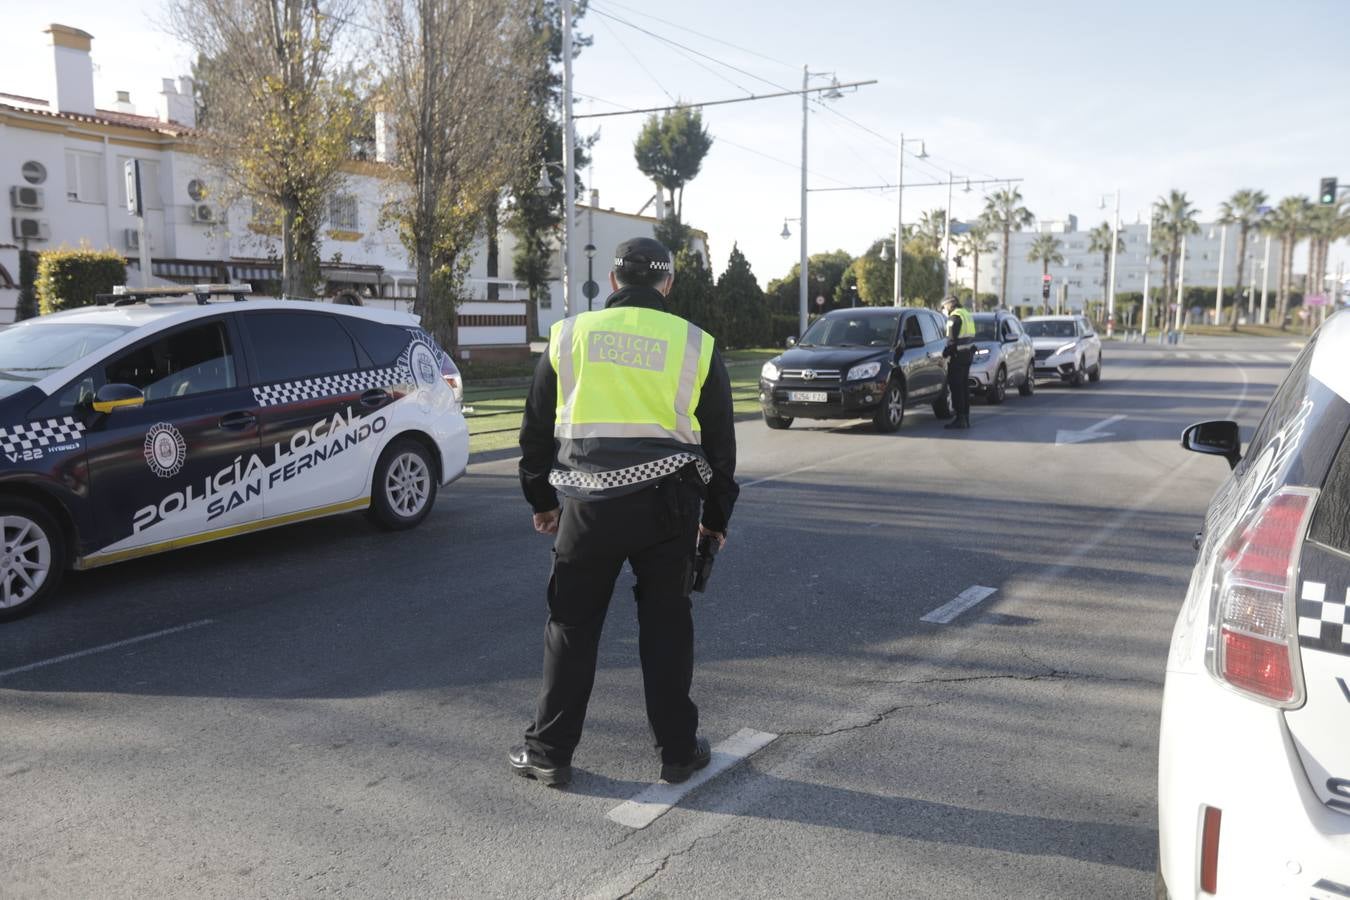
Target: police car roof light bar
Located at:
point(124, 296)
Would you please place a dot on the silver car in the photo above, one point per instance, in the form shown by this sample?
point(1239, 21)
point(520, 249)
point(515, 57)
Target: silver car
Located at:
point(1004, 357)
point(1067, 348)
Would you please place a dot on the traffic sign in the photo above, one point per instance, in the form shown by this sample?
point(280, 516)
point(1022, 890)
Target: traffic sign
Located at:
point(820, 301)
point(1046, 277)
point(590, 289)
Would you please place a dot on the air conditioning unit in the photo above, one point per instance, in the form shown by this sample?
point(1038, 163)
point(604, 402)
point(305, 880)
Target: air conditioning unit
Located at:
point(21, 196)
point(132, 237)
point(31, 229)
point(202, 213)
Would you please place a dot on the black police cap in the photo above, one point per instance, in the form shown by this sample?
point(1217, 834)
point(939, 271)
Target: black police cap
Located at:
point(637, 256)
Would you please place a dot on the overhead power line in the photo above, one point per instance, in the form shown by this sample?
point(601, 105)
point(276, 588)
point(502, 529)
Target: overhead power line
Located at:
point(707, 37)
point(699, 104)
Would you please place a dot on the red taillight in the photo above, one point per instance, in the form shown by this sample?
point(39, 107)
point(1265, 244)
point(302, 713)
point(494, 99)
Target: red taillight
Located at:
point(1255, 577)
point(1209, 850)
point(451, 375)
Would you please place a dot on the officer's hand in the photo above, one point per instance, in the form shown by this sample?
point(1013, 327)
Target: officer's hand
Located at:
point(547, 522)
point(720, 535)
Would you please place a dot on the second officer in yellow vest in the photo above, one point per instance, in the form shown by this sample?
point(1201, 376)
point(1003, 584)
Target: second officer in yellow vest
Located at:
point(630, 420)
point(960, 353)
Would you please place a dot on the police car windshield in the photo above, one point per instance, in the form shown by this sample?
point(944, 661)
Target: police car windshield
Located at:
point(32, 352)
point(851, 331)
point(1049, 329)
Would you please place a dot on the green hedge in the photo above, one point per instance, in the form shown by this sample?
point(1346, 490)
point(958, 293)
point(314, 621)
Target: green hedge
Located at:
point(69, 278)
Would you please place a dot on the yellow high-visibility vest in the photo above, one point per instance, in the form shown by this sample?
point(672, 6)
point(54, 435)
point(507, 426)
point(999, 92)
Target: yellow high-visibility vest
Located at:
point(967, 325)
point(629, 379)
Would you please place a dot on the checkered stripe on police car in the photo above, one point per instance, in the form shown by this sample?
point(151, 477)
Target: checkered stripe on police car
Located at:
point(638, 474)
point(330, 386)
point(43, 433)
point(1323, 624)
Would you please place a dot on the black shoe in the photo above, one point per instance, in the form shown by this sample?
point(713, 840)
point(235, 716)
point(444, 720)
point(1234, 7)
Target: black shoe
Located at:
point(674, 773)
point(958, 422)
point(528, 764)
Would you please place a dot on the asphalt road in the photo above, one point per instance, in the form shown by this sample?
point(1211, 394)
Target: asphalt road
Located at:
point(325, 709)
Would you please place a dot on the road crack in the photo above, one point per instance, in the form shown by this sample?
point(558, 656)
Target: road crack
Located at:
point(662, 864)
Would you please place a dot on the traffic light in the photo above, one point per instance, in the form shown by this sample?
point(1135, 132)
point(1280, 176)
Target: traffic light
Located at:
point(1045, 286)
point(1327, 195)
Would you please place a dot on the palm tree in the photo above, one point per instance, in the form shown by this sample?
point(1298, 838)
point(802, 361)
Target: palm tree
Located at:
point(1288, 222)
point(1099, 241)
point(1045, 250)
point(974, 242)
point(931, 229)
point(1243, 209)
point(1005, 213)
point(1173, 219)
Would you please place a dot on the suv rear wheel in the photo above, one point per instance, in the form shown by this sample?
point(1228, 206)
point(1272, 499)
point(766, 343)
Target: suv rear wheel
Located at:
point(1028, 385)
point(998, 388)
point(891, 412)
point(32, 556)
point(942, 406)
point(405, 485)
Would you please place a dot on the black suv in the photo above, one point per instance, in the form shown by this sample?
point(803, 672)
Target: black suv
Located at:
point(856, 364)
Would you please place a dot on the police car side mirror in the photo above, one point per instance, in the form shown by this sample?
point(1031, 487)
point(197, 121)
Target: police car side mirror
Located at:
point(117, 396)
point(790, 343)
point(1218, 438)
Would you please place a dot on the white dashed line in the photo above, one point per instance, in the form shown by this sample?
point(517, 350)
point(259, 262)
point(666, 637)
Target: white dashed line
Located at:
point(113, 646)
point(658, 799)
point(948, 611)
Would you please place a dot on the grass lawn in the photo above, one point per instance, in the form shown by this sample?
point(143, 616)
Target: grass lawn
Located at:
point(1293, 333)
point(495, 418)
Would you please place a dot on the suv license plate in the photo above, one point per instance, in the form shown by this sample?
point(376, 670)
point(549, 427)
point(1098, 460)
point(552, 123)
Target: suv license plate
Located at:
point(807, 396)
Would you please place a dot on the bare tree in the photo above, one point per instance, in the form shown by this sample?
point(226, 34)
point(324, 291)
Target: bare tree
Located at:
point(454, 87)
point(282, 115)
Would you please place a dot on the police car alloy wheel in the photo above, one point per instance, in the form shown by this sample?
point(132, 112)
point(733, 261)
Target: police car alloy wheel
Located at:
point(32, 557)
point(405, 485)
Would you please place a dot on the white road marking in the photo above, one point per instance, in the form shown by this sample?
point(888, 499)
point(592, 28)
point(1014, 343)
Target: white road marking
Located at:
point(658, 799)
point(948, 611)
point(824, 462)
point(1183, 356)
point(113, 646)
point(1090, 433)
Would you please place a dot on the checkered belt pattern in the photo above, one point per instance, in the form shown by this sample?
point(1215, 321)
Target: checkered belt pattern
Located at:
point(639, 474)
point(43, 433)
point(330, 386)
point(1323, 624)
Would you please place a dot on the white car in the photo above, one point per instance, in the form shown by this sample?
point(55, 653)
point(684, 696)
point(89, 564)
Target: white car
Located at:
point(1254, 751)
point(133, 428)
point(1067, 348)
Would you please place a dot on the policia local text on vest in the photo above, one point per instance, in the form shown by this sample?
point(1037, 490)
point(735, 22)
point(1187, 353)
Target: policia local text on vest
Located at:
point(629, 419)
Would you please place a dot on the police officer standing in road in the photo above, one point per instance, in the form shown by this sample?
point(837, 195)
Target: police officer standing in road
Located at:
point(639, 405)
point(960, 351)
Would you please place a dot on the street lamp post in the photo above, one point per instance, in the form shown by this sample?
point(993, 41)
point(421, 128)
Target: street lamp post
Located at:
point(1111, 274)
point(1265, 278)
point(831, 93)
point(590, 288)
point(569, 162)
point(1218, 291)
point(1181, 283)
point(1144, 321)
point(898, 297)
point(947, 239)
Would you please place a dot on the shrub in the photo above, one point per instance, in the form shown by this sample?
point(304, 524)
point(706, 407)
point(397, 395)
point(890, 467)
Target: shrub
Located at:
point(67, 279)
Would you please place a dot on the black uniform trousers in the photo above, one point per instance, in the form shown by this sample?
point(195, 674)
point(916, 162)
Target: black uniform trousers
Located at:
point(958, 379)
point(656, 530)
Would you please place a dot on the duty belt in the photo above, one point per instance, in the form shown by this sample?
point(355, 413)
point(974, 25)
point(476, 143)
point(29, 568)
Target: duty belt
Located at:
point(643, 472)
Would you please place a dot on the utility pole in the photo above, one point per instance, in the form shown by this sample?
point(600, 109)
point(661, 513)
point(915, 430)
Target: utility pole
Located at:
point(801, 281)
point(1111, 278)
point(947, 239)
point(899, 218)
point(1218, 292)
point(1265, 279)
point(1181, 283)
point(569, 163)
point(1148, 270)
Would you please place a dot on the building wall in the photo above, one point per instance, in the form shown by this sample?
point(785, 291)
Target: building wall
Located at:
point(1084, 272)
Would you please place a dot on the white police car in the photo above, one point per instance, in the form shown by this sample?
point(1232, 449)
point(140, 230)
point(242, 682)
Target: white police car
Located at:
point(136, 427)
point(1254, 751)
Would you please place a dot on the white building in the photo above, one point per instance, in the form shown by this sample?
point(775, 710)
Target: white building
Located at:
point(1084, 272)
point(61, 166)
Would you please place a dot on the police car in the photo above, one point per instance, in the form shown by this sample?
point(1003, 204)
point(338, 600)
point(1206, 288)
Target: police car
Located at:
point(1254, 750)
point(135, 427)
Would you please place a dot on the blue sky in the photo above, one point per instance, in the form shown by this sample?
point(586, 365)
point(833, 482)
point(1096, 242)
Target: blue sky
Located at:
point(1078, 99)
